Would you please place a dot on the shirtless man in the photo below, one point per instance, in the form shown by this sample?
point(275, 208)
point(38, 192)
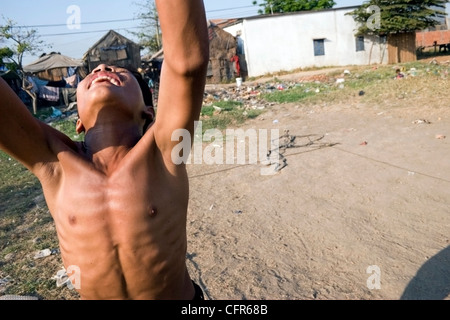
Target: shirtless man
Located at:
point(118, 201)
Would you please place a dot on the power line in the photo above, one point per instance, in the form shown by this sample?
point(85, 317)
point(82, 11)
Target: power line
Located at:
point(119, 20)
point(81, 23)
point(84, 32)
point(217, 10)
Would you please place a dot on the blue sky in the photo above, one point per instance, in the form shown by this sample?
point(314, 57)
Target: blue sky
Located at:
point(75, 43)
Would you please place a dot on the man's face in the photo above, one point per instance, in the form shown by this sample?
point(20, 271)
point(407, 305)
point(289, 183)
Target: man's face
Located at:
point(111, 89)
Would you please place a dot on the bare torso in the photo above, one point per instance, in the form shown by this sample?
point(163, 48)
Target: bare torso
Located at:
point(124, 230)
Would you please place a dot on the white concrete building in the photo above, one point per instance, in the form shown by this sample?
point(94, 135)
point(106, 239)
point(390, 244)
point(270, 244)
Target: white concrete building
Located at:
point(286, 42)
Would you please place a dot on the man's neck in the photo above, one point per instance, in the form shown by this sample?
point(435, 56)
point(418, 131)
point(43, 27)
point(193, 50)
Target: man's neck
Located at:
point(107, 145)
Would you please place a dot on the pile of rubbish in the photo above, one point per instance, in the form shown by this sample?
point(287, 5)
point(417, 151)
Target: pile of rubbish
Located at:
point(251, 95)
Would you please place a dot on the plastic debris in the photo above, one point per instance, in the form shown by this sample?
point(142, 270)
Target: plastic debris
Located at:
point(56, 113)
point(16, 297)
point(421, 121)
point(43, 253)
point(62, 279)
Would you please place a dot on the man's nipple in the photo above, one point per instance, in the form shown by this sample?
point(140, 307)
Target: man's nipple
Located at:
point(153, 211)
point(72, 220)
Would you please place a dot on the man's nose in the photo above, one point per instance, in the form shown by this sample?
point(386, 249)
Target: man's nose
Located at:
point(103, 67)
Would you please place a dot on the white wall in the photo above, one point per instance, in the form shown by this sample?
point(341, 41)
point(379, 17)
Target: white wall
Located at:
point(285, 42)
point(447, 9)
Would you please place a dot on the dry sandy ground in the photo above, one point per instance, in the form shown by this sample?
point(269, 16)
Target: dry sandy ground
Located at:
point(363, 213)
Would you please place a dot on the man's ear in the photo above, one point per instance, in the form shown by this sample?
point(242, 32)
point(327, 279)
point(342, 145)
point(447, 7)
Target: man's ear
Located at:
point(149, 113)
point(79, 127)
point(149, 116)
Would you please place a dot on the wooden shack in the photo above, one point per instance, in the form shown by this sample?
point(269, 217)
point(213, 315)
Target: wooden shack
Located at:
point(222, 47)
point(113, 49)
point(402, 47)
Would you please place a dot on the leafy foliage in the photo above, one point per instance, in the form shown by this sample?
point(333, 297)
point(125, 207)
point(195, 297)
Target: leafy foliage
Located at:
point(149, 34)
point(8, 54)
point(397, 16)
point(279, 6)
point(23, 41)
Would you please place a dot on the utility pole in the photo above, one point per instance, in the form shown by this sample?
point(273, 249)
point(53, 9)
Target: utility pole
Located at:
point(158, 39)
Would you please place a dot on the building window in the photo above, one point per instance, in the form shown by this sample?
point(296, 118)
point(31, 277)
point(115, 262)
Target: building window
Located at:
point(360, 43)
point(319, 47)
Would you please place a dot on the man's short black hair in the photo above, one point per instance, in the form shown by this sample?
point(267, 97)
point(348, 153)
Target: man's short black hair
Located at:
point(146, 92)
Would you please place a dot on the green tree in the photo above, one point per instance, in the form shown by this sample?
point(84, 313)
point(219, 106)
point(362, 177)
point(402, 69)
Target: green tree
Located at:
point(279, 6)
point(22, 41)
point(149, 34)
point(384, 17)
point(6, 59)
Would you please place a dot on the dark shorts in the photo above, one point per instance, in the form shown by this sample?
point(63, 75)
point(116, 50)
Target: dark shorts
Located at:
point(198, 292)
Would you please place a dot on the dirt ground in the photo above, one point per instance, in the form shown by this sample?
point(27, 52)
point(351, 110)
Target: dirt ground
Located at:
point(361, 211)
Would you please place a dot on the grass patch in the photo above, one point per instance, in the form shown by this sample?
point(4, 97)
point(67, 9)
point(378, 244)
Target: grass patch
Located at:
point(223, 114)
point(372, 85)
point(294, 95)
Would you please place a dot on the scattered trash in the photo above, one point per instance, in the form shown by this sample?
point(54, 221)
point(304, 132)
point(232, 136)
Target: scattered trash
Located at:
point(361, 93)
point(237, 212)
point(440, 136)
point(8, 257)
point(16, 297)
point(56, 113)
point(364, 143)
point(5, 281)
point(421, 121)
point(276, 157)
point(275, 121)
point(211, 207)
point(412, 72)
point(62, 279)
point(43, 253)
point(399, 74)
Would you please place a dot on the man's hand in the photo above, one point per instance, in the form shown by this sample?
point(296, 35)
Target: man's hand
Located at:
point(183, 76)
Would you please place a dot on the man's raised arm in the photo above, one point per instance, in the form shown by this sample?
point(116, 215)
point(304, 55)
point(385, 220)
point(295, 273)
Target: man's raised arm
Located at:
point(22, 136)
point(183, 76)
